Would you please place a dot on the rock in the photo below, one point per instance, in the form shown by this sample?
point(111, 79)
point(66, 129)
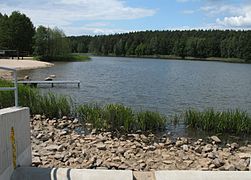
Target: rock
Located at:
point(211, 155)
point(121, 150)
point(52, 76)
point(39, 136)
point(151, 148)
point(217, 162)
point(234, 146)
point(38, 117)
point(241, 165)
point(48, 79)
point(64, 118)
point(101, 146)
point(207, 148)
point(168, 162)
point(229, 167)
point(179, 143)
point(144, 138)
point(216, 139)
point(244, 155)
point(64, 132)
point(26, 77)
point(75, 121)
point(168, 141)
point(198, 149)
point(52, 147)
point(185, 147)
point(36, 161)
point(99, 162)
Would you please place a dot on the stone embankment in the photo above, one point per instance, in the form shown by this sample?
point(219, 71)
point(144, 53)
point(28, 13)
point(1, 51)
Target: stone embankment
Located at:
point(55, 143)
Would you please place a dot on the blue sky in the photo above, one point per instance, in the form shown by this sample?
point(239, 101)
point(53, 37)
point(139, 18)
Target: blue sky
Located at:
point(90, 17)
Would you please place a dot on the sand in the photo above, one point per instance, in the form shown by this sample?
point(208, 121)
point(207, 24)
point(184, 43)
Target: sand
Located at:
point(21, 65)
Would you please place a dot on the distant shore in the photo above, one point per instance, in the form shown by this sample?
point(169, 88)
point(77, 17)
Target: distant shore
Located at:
point(172, 57)
point(25, 64)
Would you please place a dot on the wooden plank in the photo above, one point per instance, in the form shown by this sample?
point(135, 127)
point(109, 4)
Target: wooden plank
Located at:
point(48, 82)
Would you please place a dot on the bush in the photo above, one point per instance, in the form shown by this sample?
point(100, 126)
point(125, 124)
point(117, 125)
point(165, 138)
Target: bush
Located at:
point(66, 57)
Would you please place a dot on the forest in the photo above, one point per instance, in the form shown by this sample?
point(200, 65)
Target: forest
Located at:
point(17, 32)
point(189, 43)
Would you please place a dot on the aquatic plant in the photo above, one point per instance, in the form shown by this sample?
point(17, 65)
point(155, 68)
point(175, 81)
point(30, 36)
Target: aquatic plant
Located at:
point(231, 121)
point(119, 118)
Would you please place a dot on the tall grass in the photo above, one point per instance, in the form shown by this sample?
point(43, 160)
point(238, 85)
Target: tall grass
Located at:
point(231, 121)
point(51, 105)
point(116, 117)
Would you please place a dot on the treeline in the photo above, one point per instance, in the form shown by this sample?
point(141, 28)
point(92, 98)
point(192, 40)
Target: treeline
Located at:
point(16, 32)
point(190, 43)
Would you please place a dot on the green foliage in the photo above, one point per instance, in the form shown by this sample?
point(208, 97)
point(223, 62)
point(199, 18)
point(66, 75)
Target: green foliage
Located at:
point(220, 122)
point(51, 43)
point(16, 32)
point(115, 117)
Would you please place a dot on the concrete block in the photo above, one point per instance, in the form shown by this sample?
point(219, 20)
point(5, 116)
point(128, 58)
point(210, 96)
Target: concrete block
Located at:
point(30, 173)
point(203, 175)
point(15, 145)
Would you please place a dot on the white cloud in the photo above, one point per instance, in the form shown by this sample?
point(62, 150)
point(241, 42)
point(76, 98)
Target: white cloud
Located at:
point(242, 20)
point(66, 13)
point(188, 12)
point(232, 16)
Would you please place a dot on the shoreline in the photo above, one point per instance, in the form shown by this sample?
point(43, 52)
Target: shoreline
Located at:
point(56, 143)
point(170, 57)
point(19, 65)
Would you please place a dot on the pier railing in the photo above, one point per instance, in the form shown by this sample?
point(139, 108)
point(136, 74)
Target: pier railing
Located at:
point(15, 88)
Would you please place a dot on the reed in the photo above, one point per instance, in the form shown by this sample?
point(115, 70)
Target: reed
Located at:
point(119, 118)
point(231, 121)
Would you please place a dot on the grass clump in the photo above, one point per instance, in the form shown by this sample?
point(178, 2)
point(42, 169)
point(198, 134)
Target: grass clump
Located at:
point(116, 117)
point(231, 121)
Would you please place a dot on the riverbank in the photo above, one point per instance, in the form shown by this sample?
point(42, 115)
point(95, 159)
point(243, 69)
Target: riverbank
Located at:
point(172, 57)
point(57, 143)
point(25, 64)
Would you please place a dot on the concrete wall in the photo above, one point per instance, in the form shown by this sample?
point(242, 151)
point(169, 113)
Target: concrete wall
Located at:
point(15, 146)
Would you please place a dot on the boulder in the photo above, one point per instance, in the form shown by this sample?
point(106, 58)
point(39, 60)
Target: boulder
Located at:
point(215, 139)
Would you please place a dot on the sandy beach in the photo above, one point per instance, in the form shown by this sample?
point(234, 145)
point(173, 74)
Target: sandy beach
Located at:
point(27, 63)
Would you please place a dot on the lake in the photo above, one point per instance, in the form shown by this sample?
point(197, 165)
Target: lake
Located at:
point(167, 86)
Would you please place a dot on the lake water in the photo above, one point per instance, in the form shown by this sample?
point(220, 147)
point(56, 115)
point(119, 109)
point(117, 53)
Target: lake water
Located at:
point(167, 86)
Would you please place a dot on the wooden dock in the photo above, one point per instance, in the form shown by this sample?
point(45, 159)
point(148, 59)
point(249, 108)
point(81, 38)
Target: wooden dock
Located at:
point(52, 83)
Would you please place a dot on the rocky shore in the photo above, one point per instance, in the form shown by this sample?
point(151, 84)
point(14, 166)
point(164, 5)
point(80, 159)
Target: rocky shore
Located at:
point(56, 143)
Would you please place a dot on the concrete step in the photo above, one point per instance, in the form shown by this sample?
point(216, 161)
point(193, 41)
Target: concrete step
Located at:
point(31, 173)
point(203, 175)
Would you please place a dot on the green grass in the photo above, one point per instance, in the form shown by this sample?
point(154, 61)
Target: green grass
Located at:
point(119, 118)
point(231, 121)
point(66, 58)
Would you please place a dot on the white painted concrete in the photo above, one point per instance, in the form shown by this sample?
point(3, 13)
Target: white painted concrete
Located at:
point(19, 119)
point(203, 175)
point(30, 173)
